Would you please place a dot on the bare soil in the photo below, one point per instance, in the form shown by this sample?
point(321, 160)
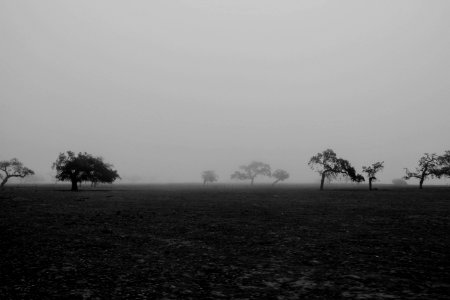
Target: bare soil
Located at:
point(194, 242)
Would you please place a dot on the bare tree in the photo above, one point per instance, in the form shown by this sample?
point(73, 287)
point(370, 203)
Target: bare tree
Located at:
point(209, 176)
point(251, 171)
point(13, 168)
point(279, 175)
point(372, 170)
point(428, 167)
point(329, 166)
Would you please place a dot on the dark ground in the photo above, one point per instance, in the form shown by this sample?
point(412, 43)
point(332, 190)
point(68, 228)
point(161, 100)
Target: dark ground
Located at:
point(154, 242)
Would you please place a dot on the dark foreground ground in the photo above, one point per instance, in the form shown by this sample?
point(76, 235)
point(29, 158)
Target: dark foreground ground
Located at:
point(222, 243)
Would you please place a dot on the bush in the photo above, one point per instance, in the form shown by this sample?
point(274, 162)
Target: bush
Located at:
point(399, 181)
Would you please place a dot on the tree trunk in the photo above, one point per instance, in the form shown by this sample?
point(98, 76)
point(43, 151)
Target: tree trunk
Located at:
point(322, 181)
point(423, 176)
point(4, 181)
point(370, 184)
point(253, 179)
point(74, 185)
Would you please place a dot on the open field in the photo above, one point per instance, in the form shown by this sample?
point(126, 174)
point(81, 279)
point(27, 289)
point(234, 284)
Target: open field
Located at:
point(195, 242)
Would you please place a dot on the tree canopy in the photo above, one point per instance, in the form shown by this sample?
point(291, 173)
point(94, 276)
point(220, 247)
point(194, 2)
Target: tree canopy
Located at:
point(83, 167)
point(329, 166)
point(13, 168)
point(251, 171)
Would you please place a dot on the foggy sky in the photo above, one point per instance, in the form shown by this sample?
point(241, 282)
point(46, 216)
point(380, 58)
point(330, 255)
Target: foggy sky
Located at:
point(167, 89)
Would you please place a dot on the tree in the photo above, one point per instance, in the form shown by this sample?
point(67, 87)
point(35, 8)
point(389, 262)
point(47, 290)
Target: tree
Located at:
point(209, 176)
point(444, 164)
point(13, 168)
point(251, 171)
point(372, 170)
point(329, 166)
point(83, 167)
point(428, 167)
point(279, 175)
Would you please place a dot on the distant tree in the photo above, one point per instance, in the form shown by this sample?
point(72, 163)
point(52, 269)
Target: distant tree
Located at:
point(399, 181)
point(444, 164)
point(428, 167)
point(209, 176)
point(329, 166)
point(13, 168)
point(251, 171)
point(372, 170)
point(83, 167)
point(279, 175)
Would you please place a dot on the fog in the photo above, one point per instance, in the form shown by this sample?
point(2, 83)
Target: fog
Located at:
point(167, 89)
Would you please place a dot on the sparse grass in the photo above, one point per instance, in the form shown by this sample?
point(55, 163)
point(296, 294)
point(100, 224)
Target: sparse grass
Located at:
point(213, 242)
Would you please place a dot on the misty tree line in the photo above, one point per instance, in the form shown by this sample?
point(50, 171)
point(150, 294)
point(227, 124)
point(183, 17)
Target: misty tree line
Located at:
point(85, 167)
point(249, 172)
point(330, 167)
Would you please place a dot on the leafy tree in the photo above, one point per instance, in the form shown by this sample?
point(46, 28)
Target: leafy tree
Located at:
point(329, 166)
point(13, 168)
point(372, 170)
point(279, 175)
point(83, 167)
point(251, 171)
point(209, 176)
point(444, 164)
point(428, 167)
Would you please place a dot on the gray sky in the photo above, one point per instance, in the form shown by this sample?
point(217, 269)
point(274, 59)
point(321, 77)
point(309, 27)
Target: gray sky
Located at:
point(167, 89)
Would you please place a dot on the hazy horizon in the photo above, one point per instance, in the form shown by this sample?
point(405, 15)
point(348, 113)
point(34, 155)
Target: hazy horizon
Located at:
point(164, 90)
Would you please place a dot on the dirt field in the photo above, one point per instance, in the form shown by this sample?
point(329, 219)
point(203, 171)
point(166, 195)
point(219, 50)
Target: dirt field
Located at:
point(194, 242)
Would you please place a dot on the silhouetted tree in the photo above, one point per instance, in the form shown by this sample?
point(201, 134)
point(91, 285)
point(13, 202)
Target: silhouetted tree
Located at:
point(372, 170)
point(328, 165)
point(83, 167)
point(279, 175)
point(13, 168)
point(428, 166)
point(209, 176)
point(251, 171)
point(444, 164)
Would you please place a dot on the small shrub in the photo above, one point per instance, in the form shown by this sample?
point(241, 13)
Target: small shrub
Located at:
point(399, 181)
